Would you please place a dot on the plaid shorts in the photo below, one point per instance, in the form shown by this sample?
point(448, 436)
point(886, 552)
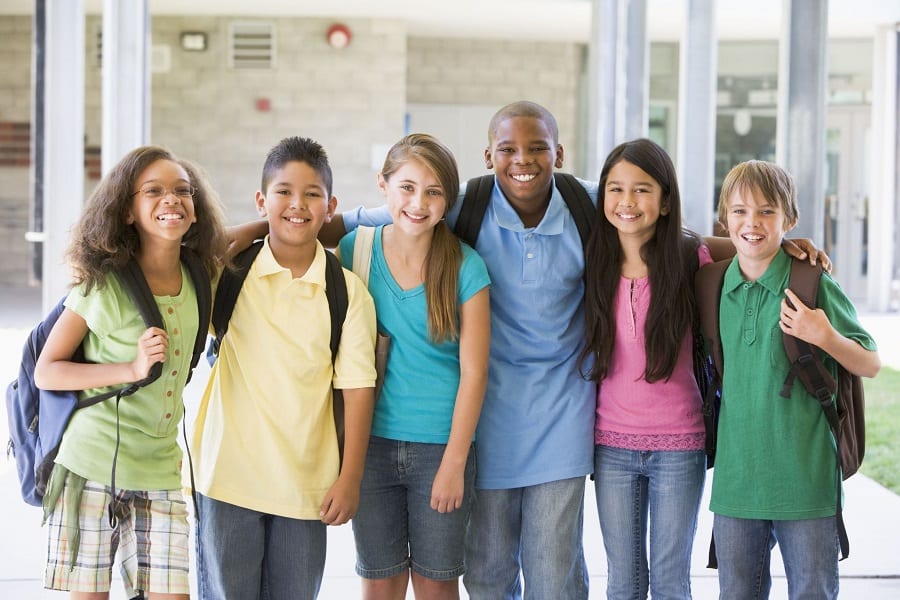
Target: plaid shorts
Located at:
point(151, 537)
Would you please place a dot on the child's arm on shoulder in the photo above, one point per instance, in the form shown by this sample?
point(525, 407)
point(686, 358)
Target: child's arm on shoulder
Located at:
point(813, 326)
point(55, 369)
point(342, 499)
point(474, 347)
point(722, 248)
point(240, 237)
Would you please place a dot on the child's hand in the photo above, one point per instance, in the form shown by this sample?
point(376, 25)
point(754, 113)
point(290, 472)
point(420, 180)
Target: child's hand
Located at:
point(447, 489)
point(804, 248)
point(151, 349)
point(809, 325)
point(341, 502)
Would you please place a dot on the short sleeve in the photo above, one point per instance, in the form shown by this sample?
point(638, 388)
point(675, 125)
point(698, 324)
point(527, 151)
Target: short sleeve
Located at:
point(473, 274)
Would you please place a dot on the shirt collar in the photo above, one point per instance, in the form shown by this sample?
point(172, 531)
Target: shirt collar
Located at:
point(506, 216)
point(266, 265)
point(774, 279)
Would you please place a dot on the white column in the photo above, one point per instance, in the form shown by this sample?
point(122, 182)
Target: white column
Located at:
point(697, 116)
point(800, 130)
point(126, 79)
point(63, 141)
point(636, 63)
point(602, 80)
point(883, 252)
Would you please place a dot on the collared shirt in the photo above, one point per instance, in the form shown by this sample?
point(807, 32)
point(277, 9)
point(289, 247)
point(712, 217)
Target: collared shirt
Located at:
point(149, 457)
point(264, 436)
point(537, 421)
point(775, 456)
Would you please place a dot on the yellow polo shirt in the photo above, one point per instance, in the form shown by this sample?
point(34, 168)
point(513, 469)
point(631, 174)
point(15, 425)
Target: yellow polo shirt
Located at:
point(264, 438)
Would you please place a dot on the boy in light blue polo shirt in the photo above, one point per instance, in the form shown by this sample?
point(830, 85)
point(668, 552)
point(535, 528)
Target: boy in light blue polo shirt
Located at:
point(535, 435)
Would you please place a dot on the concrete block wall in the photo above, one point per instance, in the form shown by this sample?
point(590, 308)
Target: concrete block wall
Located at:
point(497, 72)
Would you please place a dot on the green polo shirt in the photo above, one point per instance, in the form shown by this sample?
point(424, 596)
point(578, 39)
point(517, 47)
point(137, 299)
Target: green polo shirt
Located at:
point(149, 456)
point(775, 458)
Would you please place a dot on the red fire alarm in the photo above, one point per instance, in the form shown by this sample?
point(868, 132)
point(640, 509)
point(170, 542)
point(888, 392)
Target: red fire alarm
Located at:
point(338, 36)
point(263, 105)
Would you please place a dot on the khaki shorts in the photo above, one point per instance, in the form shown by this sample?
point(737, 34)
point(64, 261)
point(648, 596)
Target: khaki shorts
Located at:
point(151, 539)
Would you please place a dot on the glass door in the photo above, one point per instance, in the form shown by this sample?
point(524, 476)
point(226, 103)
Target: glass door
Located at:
point(847, 197)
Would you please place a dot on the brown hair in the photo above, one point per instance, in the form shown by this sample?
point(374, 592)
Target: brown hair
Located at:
point(445, 254)
point(103, 240)
point(774, 183)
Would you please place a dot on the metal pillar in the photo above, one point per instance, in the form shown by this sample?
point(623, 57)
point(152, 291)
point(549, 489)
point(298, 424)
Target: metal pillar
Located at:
point(64, 139)
point(800, 133)
point(697, 116)
point(636, 61)
point(602, 84)
point(618, 89)
point(36, 174)
point(126, 79)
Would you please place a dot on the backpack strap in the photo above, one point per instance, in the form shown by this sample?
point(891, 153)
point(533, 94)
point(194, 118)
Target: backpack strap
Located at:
point(338, 301)
point(362, 252)
point(579, 203)
point(807, 366)
point(708, 291)
point(202, 288)
point(474, 205)
point(132, 278)
point(230, 284)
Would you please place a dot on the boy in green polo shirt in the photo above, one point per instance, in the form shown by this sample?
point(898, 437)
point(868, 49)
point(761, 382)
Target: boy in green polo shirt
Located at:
point(775, 477)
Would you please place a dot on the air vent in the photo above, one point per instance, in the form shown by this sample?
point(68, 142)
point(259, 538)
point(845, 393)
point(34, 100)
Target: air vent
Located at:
point(251, 45)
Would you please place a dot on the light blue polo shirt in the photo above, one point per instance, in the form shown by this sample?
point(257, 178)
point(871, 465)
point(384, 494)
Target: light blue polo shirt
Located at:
point(537, 421)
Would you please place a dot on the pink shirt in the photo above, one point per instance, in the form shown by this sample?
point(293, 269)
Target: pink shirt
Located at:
point(637, 415)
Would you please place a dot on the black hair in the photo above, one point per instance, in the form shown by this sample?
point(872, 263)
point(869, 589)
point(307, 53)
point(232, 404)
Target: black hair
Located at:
point(297, 149)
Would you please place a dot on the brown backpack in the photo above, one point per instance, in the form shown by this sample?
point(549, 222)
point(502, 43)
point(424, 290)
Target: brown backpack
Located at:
point(842, 400)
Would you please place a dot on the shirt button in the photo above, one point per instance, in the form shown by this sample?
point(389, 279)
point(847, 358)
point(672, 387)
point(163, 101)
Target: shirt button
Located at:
point(168, 415)
point(175, 331)
point(174, 373)
point(750, 311)
point(177, 352)
point(169, 394)
point(171, 310)
point(529, 255)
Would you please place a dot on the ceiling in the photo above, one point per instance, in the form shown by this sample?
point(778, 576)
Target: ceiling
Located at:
point(538, 19)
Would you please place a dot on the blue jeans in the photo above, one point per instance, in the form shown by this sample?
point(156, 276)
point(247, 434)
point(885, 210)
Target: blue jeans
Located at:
point(536, 529)
point(242, 553)
point(395, 528)
point(659, 491)
point(809, 550)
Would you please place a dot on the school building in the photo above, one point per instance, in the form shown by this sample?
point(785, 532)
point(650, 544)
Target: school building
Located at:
point(812, 84)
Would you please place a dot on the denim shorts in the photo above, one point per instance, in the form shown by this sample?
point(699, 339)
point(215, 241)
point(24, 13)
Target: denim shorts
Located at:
point(396, 529)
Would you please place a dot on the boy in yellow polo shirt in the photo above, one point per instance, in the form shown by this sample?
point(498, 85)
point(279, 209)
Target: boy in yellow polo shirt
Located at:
point(267, 462)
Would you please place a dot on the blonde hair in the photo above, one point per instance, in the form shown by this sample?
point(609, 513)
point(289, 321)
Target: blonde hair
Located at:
point(444, 257)
point(774, 183)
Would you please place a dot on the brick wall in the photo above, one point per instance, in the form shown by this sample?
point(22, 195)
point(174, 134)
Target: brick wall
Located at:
point(497, 72)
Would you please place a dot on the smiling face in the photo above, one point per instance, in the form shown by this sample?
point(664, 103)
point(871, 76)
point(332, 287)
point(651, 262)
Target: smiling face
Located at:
point(756, 227)
point(162, 206)
point(415, 198)
point(523, 154)
point(296, 204)
point(632, 201)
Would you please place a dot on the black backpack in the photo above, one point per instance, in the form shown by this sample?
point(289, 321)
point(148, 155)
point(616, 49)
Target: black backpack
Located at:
point(842, 400)
point(230, 286)
point(38, 418)
point(478, 196)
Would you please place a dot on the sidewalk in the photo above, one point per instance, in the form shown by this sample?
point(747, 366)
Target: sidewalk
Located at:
point(872, 572)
